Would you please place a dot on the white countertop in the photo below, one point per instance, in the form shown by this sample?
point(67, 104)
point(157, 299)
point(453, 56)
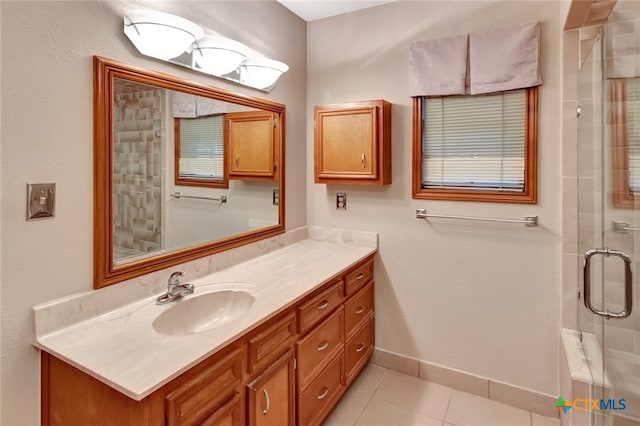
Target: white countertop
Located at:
point(122, 349)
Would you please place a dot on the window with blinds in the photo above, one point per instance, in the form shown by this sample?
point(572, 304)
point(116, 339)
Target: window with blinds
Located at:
point(201, 152)
point(632, 122)
point(479, 148)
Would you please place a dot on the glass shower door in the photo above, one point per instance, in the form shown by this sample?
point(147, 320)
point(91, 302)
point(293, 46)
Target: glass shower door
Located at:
point(609, 228)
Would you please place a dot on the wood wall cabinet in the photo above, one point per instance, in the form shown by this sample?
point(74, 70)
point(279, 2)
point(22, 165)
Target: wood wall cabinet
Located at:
point(252, 146)
point(353, 143)
point(290, 370)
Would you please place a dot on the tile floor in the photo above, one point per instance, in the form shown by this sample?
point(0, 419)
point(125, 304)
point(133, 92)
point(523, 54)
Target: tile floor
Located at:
point(387, 398)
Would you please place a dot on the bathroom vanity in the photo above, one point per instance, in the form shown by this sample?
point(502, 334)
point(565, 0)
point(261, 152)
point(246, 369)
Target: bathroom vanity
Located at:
point(286, 359)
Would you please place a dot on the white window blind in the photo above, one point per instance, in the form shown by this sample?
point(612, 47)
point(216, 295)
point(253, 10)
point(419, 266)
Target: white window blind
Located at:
point(202, 147)
point(632, 88)
point(475, 142)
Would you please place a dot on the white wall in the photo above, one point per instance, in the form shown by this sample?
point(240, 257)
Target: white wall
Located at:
point(483, 298)
point(47, 136)
point(191, 221)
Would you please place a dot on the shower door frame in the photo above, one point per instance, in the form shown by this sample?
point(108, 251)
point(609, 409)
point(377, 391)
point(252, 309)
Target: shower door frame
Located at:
point(601, 239)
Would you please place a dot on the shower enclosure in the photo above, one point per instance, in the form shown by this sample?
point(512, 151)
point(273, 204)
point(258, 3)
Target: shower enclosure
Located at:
point(609, 217)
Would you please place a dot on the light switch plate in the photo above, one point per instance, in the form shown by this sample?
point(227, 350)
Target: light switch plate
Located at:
point(41, 200)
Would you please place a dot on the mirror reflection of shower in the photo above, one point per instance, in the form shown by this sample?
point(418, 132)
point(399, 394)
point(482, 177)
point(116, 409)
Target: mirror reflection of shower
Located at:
point(138, 123)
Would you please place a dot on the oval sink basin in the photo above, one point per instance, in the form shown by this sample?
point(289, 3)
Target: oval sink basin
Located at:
point(203, 312)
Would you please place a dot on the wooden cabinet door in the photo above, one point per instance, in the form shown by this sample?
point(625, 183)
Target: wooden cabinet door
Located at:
point(346, 143)
point(251, 141)
point(353, 143)
point(271, 395)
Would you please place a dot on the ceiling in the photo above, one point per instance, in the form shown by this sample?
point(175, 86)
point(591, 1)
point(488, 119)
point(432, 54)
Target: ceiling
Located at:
point(311, 10)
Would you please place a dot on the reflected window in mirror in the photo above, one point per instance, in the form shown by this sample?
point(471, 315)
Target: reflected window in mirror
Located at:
point(625, 140)
point(201, 145)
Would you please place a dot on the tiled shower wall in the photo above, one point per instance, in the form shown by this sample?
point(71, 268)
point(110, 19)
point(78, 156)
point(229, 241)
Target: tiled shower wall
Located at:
point(137, 172)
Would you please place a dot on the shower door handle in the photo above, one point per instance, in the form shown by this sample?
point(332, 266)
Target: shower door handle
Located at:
point(628, 283)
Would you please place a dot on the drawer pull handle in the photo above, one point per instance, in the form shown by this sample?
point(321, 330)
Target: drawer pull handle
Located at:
point(361, 347)
point(324, 345)
point(323, 305)
point(360, 310)
point(360, 276)
point(266, 396)
point(237, 159)
point(323, 392)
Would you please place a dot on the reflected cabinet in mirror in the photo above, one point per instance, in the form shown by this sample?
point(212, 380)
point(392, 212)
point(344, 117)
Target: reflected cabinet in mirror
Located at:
point(182, 170)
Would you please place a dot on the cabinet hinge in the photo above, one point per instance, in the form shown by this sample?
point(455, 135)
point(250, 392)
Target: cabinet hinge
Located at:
point(579, 293)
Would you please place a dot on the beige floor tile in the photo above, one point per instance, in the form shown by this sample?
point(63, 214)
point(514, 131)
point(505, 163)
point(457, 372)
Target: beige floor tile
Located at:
point(538, 420)
point(384, 413)
point(348, 409)
point(414, 394)
point(369, 379)
point(470, 410)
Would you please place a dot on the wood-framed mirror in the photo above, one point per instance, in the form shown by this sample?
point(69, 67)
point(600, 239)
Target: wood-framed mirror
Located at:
point(145, 218)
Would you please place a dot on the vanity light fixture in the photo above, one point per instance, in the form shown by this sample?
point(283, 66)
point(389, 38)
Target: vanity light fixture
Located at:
point(181, 42)
point(161, 35)
point(218, 55)
point(262, 72)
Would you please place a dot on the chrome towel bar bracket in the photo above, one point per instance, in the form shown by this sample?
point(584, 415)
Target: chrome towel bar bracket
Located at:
point(530, 221)
point(622, 227)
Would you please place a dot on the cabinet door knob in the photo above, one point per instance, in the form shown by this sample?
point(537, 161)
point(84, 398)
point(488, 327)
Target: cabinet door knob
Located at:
point(266, 397)
point(323, 392)
point(324, 345)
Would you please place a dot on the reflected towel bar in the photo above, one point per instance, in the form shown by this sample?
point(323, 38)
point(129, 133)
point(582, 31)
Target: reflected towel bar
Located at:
point(222, 198)
point(528, 220)
point(622, 227)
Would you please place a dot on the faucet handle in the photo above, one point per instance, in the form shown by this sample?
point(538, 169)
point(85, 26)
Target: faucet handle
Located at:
point(174, 279)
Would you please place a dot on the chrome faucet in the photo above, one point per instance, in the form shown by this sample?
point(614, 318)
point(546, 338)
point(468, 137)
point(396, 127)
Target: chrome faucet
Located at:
point(175, 290)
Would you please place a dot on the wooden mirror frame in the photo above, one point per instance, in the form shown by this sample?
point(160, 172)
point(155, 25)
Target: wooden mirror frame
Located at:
point(105, 272)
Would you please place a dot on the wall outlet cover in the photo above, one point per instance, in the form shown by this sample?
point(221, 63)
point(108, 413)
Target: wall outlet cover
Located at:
point(341, 200)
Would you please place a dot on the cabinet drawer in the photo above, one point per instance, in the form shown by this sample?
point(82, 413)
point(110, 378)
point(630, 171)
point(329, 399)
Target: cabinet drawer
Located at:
point(268, 343)
point(230, 414)
point(358, 349)
point(320, 346)
point(358, 309)
point(322, 394)
point(197, 398)
point(313, 311)
point(358, 277)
